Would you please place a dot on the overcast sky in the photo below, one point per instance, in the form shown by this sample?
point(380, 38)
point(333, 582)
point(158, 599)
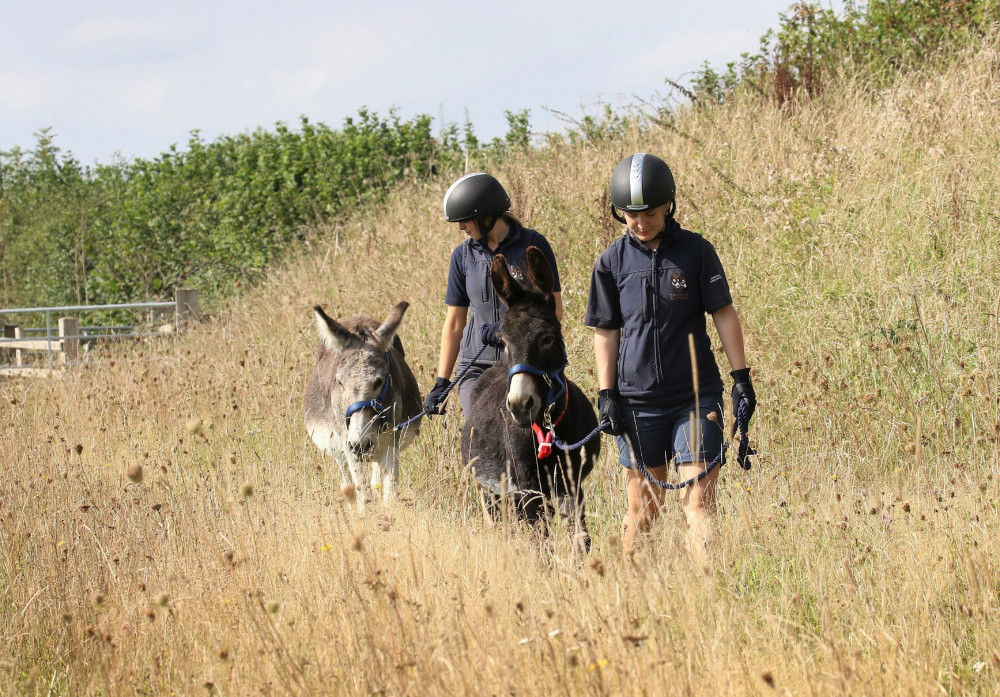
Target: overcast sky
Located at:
point(134, 77)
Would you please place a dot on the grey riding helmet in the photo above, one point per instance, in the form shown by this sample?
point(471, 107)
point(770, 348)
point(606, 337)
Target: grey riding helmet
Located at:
point(475, 197)
point(641, 182)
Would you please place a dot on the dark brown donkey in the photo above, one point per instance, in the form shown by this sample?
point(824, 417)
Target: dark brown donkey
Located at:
point(361, 388)
point(519, 403)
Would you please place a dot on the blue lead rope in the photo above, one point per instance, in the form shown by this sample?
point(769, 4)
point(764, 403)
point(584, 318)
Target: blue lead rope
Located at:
point(444, 395)
point(742, 456)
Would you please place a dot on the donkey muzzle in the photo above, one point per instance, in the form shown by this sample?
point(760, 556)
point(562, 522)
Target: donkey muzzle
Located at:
point(523, 400)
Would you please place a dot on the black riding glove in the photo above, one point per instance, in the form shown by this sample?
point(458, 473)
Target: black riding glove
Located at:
point(490, 334)
point(436, 396)
point(608, 412)
point(743, 389)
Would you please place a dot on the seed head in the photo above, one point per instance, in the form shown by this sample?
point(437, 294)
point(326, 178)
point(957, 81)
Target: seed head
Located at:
point(246, 491)
point(135, 473)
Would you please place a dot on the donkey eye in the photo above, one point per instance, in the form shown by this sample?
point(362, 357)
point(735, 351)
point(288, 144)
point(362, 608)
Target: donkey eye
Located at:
point(377, 384)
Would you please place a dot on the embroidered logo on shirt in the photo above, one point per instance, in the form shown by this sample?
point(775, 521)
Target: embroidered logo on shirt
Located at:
point(716, 277)
point(679, 283)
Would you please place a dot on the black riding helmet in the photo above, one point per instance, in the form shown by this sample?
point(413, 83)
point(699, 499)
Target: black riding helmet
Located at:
point(477, 196)
point(640, 182)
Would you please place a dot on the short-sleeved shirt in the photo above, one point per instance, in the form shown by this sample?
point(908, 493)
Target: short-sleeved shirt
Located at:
point(656, 298)
point(470, 285)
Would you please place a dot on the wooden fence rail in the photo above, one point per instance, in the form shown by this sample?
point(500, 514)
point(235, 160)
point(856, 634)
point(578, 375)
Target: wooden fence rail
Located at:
point(63, 348)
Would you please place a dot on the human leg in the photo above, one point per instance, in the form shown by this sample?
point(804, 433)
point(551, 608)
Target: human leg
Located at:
point(698, 503)
point(645, 502)
point(698, 439)
point(464, 387)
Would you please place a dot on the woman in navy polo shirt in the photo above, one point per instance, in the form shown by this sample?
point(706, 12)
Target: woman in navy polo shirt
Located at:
point(481, 207)
point(649, 292)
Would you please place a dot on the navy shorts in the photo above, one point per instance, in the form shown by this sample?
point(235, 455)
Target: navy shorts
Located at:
point(654, 435)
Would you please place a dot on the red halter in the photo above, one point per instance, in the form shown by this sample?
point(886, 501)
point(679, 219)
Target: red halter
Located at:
point(544, 436)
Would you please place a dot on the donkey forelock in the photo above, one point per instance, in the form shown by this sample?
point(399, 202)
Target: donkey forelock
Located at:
point(337, 337)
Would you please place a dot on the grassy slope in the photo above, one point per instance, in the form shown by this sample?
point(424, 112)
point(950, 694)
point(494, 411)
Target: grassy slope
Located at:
point(858, 556)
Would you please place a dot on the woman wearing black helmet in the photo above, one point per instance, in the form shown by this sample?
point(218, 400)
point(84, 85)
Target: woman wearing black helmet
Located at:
point(649, 294)
point(481, 207)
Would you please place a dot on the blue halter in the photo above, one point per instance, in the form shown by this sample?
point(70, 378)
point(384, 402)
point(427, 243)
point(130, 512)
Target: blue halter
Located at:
point(552, 378)
point(381, 412)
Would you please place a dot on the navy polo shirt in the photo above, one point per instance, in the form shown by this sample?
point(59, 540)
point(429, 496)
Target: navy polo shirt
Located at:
point(657, 298)
point(470, 285)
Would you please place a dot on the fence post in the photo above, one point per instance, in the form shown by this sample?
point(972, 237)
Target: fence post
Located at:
point(18, 356)
point(187, 305)
point(69, 330)
point(8, 333)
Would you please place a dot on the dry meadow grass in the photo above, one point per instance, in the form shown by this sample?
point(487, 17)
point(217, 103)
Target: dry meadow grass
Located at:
point(168, 527)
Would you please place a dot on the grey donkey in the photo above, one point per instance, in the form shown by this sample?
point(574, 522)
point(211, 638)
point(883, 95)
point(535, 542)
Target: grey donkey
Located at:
point(359, 391)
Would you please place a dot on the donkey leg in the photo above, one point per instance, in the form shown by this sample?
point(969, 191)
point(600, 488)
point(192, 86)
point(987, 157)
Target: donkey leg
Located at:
point(389, 467)
point(352, 476)
point(573, 509)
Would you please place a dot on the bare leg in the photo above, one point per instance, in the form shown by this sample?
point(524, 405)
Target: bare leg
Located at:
point(645, 501)
point(698, 502)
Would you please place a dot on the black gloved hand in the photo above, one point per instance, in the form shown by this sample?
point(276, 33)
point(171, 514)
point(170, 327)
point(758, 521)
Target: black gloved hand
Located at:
point(743, 389)
point(490, 333)
point(436, 396)
point(608, 411)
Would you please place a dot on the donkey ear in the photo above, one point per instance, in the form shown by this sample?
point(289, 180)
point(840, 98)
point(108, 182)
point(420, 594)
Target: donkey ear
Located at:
point(387, 332)
point(504, 284)
point(333, 334)
point(539, 271)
